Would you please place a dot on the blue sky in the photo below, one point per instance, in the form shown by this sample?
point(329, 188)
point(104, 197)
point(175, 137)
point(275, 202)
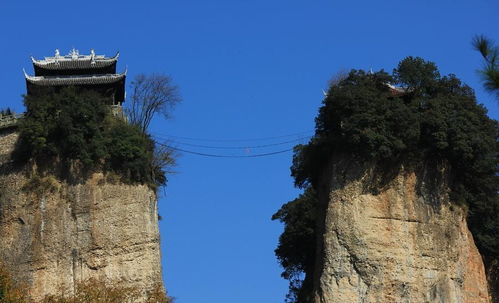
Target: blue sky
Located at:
point(246, 70)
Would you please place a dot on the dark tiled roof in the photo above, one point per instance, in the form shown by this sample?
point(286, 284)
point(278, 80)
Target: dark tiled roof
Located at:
point(75, 80)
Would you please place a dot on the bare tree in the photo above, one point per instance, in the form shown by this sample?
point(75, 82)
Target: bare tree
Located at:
point(341, 75)
point(164, 159)
point(151, 95)
point(335, 80)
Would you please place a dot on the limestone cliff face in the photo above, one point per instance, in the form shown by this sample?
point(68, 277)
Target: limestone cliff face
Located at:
point(404, 242)
point(54, 236)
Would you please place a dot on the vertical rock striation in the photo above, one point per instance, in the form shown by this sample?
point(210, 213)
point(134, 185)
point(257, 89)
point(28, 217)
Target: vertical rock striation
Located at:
point(403, 242)
point(53, 234)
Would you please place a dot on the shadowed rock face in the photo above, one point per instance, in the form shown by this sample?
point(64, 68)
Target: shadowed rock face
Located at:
point(54, 237)
point(404, 242)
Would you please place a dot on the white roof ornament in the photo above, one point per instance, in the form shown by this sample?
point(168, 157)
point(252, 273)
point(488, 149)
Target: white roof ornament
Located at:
point(92, 56)
point(57, 56)
point(74, 54)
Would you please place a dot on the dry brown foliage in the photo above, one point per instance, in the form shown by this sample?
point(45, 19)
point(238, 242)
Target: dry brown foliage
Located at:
point(90, 291)
point(95, 291)
point(10, 292)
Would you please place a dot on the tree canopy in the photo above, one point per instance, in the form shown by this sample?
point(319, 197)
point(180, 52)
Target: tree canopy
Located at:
point(76, 128)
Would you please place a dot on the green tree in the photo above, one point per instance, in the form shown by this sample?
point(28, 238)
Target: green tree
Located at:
point(67, 124)
point(296, 249)
point(490, 53)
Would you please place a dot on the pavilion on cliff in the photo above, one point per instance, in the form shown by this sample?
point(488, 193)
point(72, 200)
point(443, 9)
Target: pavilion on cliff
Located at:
point(93, 72)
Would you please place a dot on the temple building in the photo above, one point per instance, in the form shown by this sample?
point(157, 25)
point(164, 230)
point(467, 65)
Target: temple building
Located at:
point(93, 72)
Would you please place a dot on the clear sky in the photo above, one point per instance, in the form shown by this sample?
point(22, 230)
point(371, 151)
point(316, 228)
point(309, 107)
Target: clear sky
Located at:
point(246, 69)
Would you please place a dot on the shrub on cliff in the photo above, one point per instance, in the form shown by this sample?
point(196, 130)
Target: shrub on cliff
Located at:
point(74, 128)
point(296, 249)
point(429, 117)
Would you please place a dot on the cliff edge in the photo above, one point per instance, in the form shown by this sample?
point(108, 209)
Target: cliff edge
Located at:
point(54, 234)
point(403, 242)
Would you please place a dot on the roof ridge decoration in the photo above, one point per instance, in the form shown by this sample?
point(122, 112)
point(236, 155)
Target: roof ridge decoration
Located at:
point(74, 54)
point(75, 60)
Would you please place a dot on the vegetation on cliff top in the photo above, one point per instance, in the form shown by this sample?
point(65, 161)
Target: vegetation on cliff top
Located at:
point(75, 128)
point(436, 119)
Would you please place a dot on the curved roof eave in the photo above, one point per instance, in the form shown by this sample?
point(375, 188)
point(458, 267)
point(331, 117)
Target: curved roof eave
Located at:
point(74, 80)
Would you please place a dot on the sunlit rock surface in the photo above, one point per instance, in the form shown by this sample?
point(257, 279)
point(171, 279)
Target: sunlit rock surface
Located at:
point(403, 242)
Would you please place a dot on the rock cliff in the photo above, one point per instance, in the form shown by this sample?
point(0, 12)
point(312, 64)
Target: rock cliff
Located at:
point(401, 242)
point(54, 234)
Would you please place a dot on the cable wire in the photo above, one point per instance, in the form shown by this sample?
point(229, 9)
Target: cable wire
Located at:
point(233, 140)
point(225, 156)
point(237, 147)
